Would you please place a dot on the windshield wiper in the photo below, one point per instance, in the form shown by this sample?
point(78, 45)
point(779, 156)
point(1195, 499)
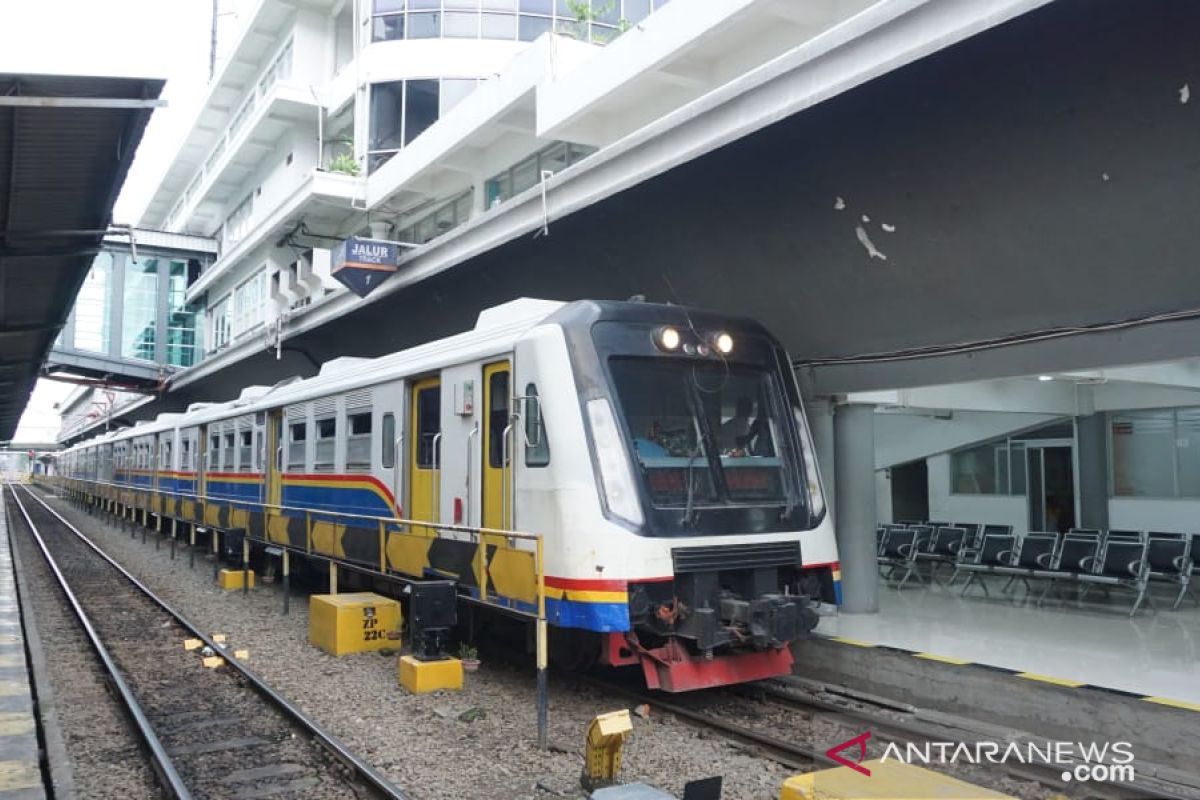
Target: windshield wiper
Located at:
point(690, 515)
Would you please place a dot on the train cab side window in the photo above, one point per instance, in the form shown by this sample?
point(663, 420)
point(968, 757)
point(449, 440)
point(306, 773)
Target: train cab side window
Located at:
point(389, 441)
point(537, 445)
point(297, 436)
point(429, 424)
point(326, 437)
point(227, 453)
point(498, 412)
point(358, 441)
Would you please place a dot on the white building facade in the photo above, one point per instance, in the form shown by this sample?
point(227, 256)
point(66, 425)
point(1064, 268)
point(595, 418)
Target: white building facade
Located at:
point(310, 102)
point(409, 119)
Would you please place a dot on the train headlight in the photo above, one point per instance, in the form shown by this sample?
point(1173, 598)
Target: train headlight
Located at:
point(668, 338)
point(619, 490)
point(724, 343)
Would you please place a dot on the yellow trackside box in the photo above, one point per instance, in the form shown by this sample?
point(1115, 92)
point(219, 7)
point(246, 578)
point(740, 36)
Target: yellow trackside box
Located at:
point(352, 623)
point(420, 677)
point(229, 579)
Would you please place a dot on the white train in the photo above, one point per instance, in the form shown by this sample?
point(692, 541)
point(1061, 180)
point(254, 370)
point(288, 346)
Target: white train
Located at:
point(661, 453)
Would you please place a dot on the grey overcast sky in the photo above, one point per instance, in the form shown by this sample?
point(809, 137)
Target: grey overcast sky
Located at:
point(166, 39)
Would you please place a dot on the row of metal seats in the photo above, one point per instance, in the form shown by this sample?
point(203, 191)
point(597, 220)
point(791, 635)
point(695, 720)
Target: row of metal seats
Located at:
point(1084, 558)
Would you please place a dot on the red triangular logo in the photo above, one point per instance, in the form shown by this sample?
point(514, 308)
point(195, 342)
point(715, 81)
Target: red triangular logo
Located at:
point(861, 741)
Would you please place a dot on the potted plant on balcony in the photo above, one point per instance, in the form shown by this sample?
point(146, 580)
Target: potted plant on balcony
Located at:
point(345, 163)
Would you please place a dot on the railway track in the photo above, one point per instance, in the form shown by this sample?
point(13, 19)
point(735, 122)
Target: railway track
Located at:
point(209, 732)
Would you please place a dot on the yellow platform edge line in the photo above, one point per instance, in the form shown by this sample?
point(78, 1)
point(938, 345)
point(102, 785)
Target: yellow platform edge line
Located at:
point(943, 659)
point(1166, 701)
point(1033, 676)
point(855, 642)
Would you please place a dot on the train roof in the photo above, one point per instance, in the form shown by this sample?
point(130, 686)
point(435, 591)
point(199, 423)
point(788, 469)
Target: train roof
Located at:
point(496, 330)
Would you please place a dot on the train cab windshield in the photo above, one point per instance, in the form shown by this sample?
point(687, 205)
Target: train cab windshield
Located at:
point(705, 434)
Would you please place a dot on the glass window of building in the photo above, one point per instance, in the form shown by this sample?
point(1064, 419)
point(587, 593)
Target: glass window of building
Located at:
point(527, 173)
point(91, 307)
point(182, 319)
point(249, 302)
point(599, 22)
point(1144, 452)
point(460, 25)
point(420, 107)
point(140, 315)
point(453, 91)
point(220, 318)
point(237, 225)
point(403, 110)
point(995, 467)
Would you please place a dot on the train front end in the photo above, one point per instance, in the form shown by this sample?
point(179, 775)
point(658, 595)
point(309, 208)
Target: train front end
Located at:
point(708, 482)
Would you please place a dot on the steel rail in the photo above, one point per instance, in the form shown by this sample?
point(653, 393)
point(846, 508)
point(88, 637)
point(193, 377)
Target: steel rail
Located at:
point(364, 771)
point(164, 768)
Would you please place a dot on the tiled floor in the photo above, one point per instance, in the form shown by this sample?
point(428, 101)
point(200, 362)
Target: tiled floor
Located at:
point(1096, 643)
point(20, 776)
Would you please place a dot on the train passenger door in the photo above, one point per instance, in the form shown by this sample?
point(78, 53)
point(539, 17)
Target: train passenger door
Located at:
point(424, 452)
point(203, 447)
point(272, 460)
point(497, 460)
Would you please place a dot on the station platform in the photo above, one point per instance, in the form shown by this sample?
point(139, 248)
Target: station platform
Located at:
point(20, 774)
point(1153, 655)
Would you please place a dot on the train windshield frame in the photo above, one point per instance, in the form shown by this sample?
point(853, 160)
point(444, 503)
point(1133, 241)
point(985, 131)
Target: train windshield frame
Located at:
point(706, 434)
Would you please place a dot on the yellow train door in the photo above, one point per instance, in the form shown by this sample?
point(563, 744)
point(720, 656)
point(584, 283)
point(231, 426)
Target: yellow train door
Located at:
point(273, 458)
point(497, 475)
point(424, 452)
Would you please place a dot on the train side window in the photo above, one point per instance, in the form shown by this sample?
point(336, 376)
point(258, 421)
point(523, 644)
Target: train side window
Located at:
point(297, 436)
point(214, 451)
point(389, 441)
point(245, 450)
point(185, 453)
point(166, 455)
point(227, 453)
point(358, 441)
point(326, 437)
point(537, 445)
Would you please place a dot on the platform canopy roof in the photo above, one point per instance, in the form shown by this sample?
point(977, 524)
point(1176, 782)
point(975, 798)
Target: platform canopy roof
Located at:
point(66, 144)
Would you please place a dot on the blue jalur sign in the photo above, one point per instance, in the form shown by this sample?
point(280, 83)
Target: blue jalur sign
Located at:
point(362, 264)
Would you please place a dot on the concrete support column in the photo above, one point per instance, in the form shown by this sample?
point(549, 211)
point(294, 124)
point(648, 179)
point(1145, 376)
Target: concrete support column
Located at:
point(854, 468)
point(1092, 433)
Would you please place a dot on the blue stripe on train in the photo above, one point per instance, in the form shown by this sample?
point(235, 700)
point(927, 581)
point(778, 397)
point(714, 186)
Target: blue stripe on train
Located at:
point(601, 617)
point(343, 499)
point(235, 490)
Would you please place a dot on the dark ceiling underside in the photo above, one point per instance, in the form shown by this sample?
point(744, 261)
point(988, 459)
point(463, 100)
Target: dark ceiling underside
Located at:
point(60, 171)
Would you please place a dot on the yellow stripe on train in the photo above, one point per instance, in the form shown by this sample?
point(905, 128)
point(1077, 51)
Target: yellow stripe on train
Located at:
point(586, 596)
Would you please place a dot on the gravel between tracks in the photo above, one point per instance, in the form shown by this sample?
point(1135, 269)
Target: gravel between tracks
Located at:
point(213, 726)
point(102, 746)
point(420, 742)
